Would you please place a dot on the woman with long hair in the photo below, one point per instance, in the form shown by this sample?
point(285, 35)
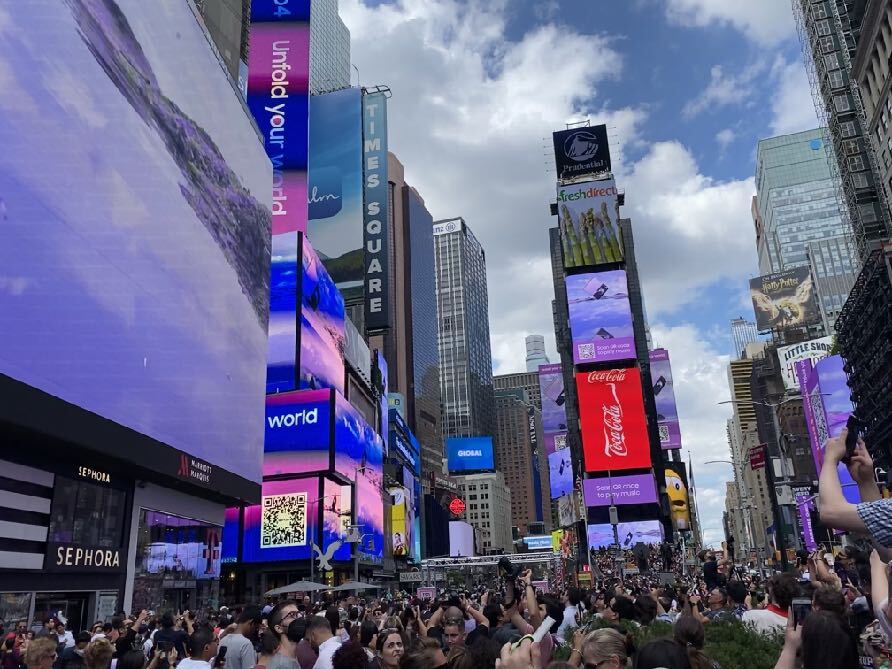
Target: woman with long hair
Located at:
point(390, 646)
point(826, 642)
point(690, 634)
point(605, 648)
point(98, 654)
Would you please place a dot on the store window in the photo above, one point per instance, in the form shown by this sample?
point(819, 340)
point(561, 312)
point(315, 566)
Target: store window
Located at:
point(177, 562)
point(87, 514)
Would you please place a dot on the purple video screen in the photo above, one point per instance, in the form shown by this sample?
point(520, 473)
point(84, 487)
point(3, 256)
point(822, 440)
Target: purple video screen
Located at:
point(285, 524)
point(298, 433)
point(635, 489)
point(560, 473)
point(664, 397)
point(600, 317)
point(135, 221)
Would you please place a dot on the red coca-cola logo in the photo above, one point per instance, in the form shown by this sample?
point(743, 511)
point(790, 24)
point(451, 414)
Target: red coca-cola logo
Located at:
point(607, 376)
point(614, 438)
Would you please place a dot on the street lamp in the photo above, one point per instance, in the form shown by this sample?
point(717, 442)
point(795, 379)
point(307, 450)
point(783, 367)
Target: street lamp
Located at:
point(747, 508)
point(354, 537)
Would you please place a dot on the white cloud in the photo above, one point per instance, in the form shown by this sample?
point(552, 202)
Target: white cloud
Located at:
point(762, 21)
point(724, 89)
point(792, 107)
point(725, 138)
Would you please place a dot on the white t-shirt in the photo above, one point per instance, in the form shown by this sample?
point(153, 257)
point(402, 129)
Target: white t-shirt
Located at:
point(326, 651)
point(569, 622)
point(189, 663)
point(765, 621)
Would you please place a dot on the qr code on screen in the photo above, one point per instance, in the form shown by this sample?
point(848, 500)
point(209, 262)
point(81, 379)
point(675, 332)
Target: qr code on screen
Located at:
point(664, 433)
point(283, 520)
point(560, 441)
point(585, 351)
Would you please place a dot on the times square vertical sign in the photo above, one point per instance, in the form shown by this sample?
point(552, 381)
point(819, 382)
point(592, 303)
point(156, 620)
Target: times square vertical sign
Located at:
point(278, 98)
point(375, 215)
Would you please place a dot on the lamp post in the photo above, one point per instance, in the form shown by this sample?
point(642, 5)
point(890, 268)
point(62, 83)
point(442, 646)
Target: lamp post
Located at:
point(354, 537)
point(747, 508)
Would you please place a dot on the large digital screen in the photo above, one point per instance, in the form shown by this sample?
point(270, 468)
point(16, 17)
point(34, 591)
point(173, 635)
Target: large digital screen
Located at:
point(554, 414)
point(826, 401)
point(560, 473)
point(466, 454)
point(399, 522)
point(588, 215)
point(581, 151)
point(182, 548)
point(539, 542)
point(461, 539)
point(600, 317)
point(322, 330)
point(337, 508)
point(376, 214)
point(611, 415)
point(784, 299)
point(298, 432)
point(629, 534)
point(335, 185)
point(635, 489)
point(135, 215)
point(286, 522)
point(679, 497)
point(413, 499)
point(664, 397)
point(358, 448)
point(370, 517)
point(788, 356)
point(229, 549)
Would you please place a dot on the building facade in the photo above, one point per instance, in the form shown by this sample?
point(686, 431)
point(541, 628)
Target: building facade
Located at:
point(329, 48)
point(466, 386)
point(535, 345)
point(832, 262)
point(228, 22)
point(488, 510)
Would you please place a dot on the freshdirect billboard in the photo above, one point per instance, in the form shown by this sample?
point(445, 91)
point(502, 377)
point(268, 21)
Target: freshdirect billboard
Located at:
point(604, 491)
point(335, 178)
point(679, 499)
point(600, 317)
point(470, 454)
point(784, 300)
point(589, 223)
point(826, 400)
point(134, 231)
point(788, 356)
point(664, 397)
point(611, 415)
point(376, 213)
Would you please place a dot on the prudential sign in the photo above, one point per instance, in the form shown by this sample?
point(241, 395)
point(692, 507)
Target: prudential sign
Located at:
point(375, 213)
point(581, 152)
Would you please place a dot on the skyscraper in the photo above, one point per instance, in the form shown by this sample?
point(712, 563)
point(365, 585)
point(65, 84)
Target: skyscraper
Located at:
point(329, 48)
point(466, 386)
point(796, 205)
point(227, 22)
point(535, 352)
point(743, 332)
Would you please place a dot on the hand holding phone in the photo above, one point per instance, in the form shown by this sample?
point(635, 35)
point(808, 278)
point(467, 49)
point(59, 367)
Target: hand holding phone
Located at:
point(801, 607)
point(853, 425)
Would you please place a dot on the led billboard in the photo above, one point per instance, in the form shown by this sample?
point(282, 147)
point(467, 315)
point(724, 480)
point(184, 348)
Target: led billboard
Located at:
point(461, 539)
point(560, 472)
point(468, 454)
point(399, 523)
point(554, 415)
point(322, 332)
point(588, 215)
point(581, 151)
point(370, 517)
point(286, 522)
point(231, 528)
point(826, 401)
point(679, 499)
point(376, 191)
point(337, 515)
point(788, 356)
point(335, 185)
point(664, 398)
point(600, 317)
point(604, 491)
point(629, 534)
point(298, 432)
point(784, 299)
point(539, 542)
point(611, 416)
point(359, 451)
point(135, 214)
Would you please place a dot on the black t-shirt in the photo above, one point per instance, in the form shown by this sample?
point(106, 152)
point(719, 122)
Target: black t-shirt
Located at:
point(175, 636)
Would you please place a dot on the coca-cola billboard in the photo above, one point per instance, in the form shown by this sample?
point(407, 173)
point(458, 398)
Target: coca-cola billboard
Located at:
point(611, 414)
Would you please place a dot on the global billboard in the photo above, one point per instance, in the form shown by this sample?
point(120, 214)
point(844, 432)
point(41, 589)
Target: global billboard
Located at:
point(784, 299)
point(826, 401)
point(611, 416)
point(664, 397)
point(465, 454)
point(581, 151)
point(335, 185)
point(588, 215)
point(600, 317)
point(135, 218)
point(679, 497)
point(788, 356)
point(608, 490)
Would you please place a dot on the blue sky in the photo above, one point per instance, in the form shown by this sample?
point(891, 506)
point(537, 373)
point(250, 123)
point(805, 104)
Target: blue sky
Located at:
point(686, 87)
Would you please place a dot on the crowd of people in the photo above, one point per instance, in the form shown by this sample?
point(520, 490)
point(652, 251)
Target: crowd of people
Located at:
point(829, 612)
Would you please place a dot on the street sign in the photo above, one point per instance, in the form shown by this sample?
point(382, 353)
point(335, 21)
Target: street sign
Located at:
point(410, 577)
point(757, 456)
